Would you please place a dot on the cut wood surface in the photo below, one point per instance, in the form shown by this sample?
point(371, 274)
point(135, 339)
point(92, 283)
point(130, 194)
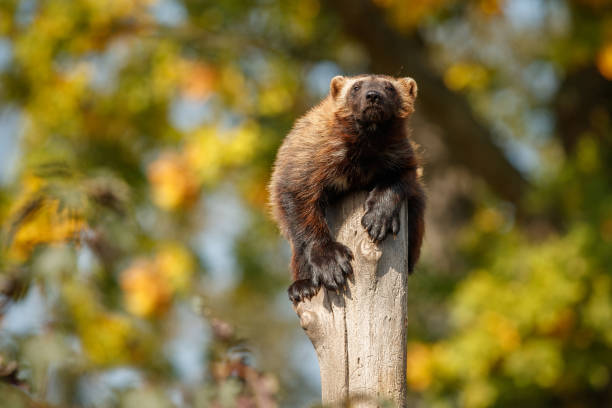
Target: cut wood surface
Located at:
point(360, 335)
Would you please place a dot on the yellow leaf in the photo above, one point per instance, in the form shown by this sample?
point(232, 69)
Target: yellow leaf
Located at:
point(173, 181)
point(419, 366)
point(490, 7)
point(106, 339)
point(46, 224)
point(465, 75)
point(604, 61)
point(198, 80)
point(145, 290)
point(175, 265)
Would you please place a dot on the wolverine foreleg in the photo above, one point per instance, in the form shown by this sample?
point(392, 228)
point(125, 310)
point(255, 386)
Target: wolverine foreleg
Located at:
point(382, 213)
point(317, 257)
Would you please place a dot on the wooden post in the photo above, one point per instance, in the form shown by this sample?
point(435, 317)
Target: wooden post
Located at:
point(360, 336)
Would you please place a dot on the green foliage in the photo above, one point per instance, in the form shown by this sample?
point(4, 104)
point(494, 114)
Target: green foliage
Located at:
point(134, 220)
point(530, 325)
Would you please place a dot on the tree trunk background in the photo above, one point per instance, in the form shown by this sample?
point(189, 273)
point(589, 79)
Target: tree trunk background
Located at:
point(467, 136)
point(360, 336)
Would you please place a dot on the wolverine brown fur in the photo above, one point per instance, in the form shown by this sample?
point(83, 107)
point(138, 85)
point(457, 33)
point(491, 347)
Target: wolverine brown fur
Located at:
point(355, 139)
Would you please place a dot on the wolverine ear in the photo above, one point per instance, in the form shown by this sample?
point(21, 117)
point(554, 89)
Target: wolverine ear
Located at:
point(409, 87)
point(335, 86)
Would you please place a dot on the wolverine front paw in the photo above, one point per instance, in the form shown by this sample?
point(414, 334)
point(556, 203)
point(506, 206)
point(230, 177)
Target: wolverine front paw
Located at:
point(301, 290)
point(331, 264)
point(380, 219)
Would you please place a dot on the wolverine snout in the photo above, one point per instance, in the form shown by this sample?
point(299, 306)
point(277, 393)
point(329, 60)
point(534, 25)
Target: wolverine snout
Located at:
point(373, 96)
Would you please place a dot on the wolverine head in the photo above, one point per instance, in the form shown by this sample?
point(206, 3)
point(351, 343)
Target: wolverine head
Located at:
point(374, 98)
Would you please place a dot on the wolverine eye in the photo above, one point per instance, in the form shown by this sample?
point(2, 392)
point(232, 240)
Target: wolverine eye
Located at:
point(389, 88)
point(356, 87)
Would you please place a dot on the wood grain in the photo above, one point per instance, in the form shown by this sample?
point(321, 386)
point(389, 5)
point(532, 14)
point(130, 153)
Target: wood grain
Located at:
point(360, 336)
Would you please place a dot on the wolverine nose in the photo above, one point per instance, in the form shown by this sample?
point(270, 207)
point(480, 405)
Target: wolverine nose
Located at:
point(373, 96)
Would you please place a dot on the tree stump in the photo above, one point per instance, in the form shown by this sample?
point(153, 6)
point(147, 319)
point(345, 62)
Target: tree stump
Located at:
point(360, 335)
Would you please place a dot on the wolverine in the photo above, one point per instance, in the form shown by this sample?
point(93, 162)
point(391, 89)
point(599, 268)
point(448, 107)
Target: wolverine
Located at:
point(355, 139)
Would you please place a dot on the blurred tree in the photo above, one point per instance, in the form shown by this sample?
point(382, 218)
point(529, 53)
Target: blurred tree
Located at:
point(136, 139)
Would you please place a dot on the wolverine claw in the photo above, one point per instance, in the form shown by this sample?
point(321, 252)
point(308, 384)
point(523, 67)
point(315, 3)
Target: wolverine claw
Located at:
point(330, 264)
point(301, 290)
point(380, 223)
point(395, 225)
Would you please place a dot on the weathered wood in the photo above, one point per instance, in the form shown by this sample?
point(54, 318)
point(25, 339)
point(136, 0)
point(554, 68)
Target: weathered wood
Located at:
point(360, 336)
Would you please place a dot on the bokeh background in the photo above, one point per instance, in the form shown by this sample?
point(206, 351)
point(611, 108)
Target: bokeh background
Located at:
point(139, 267)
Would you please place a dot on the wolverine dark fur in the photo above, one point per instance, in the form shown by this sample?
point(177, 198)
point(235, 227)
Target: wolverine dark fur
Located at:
point(355, 139)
